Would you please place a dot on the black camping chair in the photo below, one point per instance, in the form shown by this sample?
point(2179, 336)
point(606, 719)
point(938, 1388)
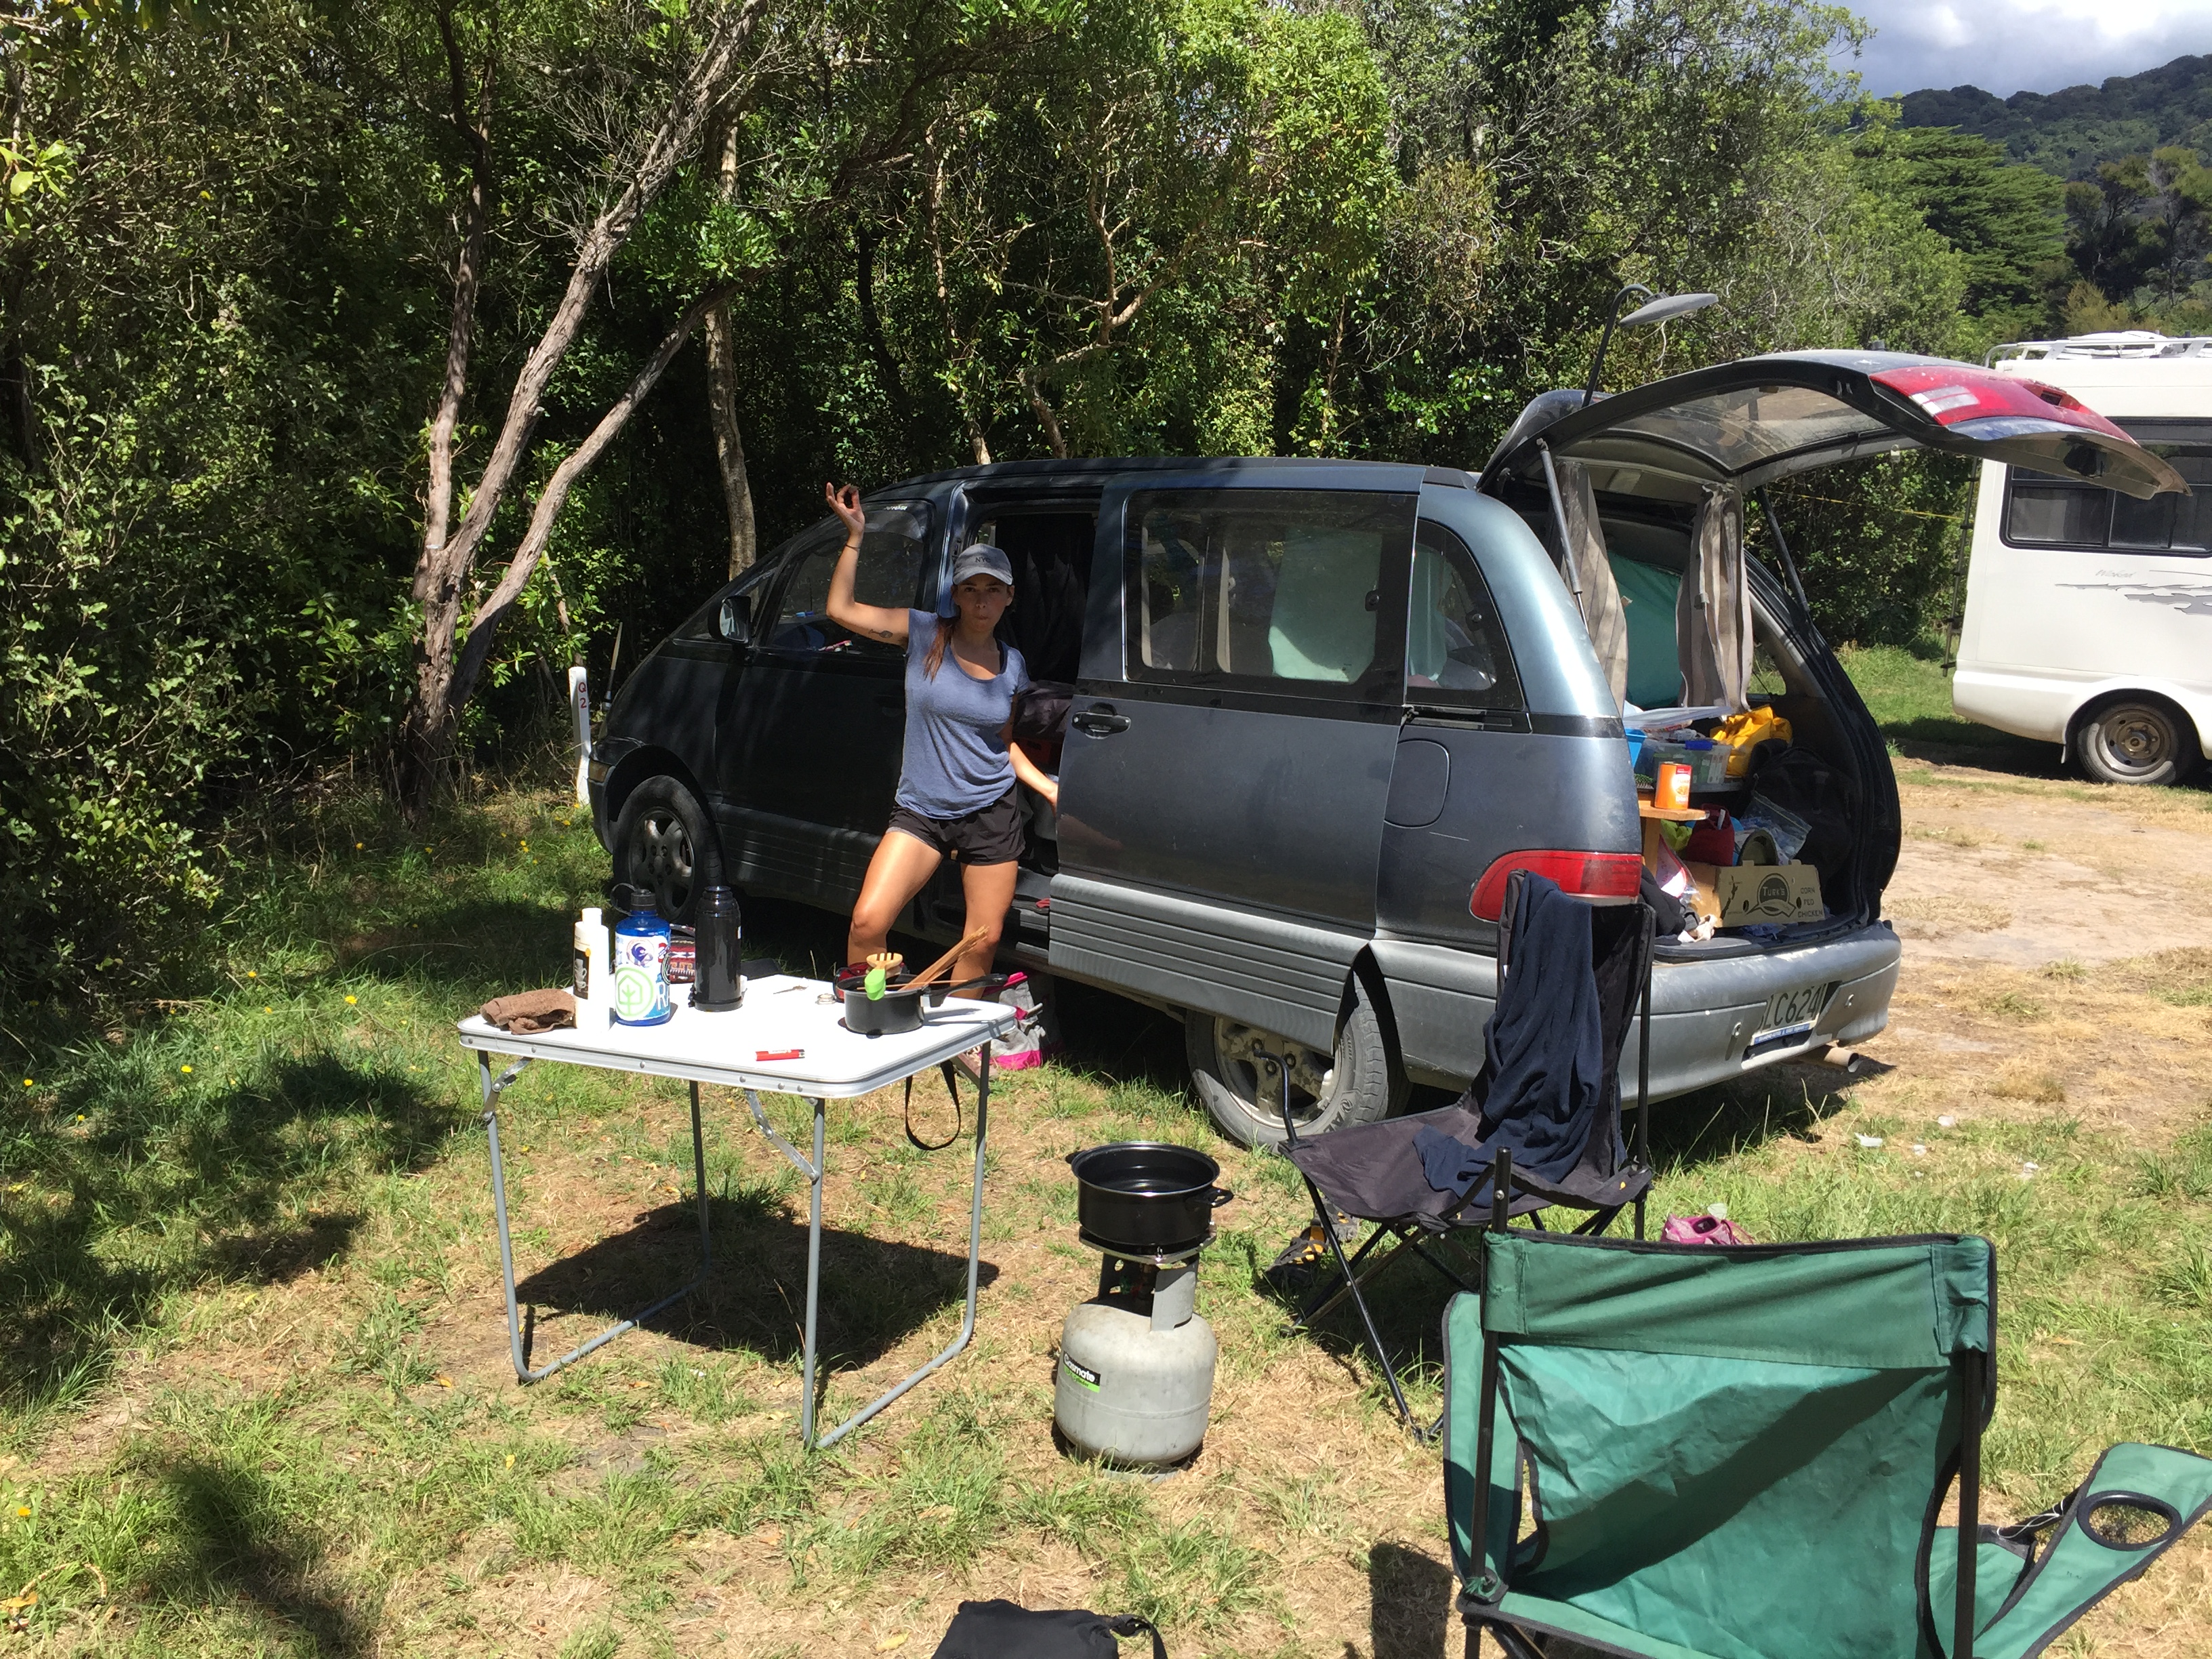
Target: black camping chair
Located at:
point(1376, 1172)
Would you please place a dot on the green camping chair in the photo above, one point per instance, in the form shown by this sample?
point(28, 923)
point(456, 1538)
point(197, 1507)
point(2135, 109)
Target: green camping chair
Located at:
point(1741, 1453)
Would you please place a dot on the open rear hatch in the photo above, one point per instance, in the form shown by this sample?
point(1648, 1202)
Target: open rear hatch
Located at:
point(1747, 423)
point(1640, 496)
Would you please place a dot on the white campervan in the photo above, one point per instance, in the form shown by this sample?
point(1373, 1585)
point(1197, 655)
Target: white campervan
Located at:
point(2088, 618)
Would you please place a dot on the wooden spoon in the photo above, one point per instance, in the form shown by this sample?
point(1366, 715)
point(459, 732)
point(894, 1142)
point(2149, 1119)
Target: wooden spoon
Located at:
point(886, 960)
point(947, 959)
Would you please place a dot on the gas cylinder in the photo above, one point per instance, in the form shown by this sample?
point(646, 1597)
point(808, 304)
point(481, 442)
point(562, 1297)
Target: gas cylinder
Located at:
point(1135, 1380)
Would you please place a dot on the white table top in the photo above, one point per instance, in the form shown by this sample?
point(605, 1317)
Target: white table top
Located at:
point(778, 1013)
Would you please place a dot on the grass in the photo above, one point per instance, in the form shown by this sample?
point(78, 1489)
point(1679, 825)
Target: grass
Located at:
point(254, 1393)
point(1908, 690)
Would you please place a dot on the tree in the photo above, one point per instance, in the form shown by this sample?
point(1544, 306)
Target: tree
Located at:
point(2004, 220)
point(646, 159)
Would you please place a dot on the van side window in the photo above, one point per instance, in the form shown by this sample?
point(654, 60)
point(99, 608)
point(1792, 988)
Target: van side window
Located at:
point(705, 623)
point(1277, 590)
point(892, 553)
point(1456, 649)
point(2043, 509)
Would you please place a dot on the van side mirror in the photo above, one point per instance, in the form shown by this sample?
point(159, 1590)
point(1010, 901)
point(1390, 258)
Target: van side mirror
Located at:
point(735, 621)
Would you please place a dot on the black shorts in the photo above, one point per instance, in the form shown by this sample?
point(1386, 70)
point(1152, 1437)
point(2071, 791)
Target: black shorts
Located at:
point(990, 834)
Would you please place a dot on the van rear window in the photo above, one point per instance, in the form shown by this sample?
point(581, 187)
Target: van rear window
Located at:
point(2044, 509)
point(1278, 590)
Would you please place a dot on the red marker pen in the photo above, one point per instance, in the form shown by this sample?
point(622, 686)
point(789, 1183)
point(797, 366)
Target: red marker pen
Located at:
point(779, 1054)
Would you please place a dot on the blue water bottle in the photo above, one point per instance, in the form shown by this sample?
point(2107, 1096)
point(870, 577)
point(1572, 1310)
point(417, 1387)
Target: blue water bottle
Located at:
point(641, 972)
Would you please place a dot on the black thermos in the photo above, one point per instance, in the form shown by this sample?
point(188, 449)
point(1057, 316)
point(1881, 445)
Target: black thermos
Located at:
point(721, 983)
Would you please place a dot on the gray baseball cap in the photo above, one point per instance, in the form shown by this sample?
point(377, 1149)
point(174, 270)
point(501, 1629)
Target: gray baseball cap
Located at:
point(983, 560)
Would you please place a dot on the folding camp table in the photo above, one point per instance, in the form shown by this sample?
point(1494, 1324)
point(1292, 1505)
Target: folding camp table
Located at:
point(781, 1015)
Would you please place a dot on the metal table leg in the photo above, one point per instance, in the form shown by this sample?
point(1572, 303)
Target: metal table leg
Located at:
point(522, 1372)
point(813, 1172)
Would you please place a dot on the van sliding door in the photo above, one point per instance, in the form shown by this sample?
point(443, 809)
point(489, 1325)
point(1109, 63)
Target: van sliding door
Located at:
point(1229, 750)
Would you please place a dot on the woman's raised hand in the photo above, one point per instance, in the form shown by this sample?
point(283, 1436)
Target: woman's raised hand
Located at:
point(846, 504)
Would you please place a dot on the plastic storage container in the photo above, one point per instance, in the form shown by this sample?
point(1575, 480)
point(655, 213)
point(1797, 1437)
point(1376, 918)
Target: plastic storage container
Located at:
point(1708, 761)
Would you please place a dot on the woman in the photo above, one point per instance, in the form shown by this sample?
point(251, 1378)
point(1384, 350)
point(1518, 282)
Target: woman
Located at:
point(956, 794)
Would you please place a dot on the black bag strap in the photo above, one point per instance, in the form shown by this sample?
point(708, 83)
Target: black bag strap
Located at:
point(952, 1087)
point(1129, 1624)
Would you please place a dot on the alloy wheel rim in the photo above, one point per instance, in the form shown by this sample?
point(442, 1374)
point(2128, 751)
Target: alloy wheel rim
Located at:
point(660, 854)
point(1248, 1056)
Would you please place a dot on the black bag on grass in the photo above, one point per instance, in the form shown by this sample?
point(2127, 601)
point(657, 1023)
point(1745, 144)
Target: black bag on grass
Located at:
point(1001, 1629)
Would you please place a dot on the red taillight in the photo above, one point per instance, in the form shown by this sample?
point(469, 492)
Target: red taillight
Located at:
point(1952, 393)
point(1584, 875)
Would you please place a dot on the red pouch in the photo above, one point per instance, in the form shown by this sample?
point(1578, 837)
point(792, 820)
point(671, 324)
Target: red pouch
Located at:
point(1713, 841)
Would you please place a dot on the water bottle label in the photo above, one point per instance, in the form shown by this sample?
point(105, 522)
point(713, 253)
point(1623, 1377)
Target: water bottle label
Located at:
point(642, 978)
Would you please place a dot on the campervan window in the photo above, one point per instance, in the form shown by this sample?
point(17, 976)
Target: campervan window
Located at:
point(2044, 509)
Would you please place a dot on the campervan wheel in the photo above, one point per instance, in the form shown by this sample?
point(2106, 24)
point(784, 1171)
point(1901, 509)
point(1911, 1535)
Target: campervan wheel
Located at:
point(1237, 1069)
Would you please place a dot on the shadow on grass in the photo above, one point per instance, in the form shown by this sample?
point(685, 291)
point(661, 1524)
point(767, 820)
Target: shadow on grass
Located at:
point(875, 1292)
point(1775, 1101)
point(238, 1545)
point(1119, 1041)
point(1410, 1597)
point(175, 1188)
point(1943, 741)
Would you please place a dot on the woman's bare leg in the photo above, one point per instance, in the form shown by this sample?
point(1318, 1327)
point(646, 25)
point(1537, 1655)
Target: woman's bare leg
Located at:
point(989, 889)
point(897, 872)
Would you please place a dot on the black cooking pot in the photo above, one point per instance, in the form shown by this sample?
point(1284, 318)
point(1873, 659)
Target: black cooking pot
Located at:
point(899, 1008)
point(1145, 1196)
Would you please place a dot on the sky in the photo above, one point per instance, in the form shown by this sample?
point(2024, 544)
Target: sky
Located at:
point(2006, 46)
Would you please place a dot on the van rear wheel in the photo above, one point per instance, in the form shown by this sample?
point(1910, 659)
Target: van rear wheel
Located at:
point(1237, 1071)
point(2136, 740)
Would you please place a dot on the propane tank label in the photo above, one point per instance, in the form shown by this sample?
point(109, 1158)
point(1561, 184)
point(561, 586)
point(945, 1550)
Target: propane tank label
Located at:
point(1082, 1374)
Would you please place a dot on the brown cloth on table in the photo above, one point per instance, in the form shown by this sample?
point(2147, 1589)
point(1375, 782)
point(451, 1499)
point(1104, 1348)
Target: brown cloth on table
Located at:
point(531, 1011)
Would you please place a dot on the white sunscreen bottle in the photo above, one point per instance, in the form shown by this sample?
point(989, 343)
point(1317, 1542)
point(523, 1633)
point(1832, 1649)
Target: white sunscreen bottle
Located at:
point(591, 956)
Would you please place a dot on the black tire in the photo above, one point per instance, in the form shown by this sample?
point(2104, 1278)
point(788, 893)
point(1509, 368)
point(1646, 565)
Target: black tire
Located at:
point(1241, 1090)
point(2136, 740)
point(664, 848)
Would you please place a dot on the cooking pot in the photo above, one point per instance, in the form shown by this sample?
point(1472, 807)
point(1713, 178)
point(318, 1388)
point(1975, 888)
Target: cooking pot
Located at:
point(899, 1008)
point(1145, 1196)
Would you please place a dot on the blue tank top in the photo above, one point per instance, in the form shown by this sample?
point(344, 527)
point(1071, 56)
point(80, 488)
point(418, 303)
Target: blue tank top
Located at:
point(956, 751)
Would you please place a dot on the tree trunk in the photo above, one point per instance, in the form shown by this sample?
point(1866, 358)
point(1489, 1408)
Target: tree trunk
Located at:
point(483, 627)
point(426, 730)
point(722, 389)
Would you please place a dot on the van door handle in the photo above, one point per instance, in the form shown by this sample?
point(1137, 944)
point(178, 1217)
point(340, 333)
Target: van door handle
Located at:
point(891, 703)
point(1101, 722)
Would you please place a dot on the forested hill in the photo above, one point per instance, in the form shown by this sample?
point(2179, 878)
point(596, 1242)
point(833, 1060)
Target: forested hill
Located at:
point(2069, 132)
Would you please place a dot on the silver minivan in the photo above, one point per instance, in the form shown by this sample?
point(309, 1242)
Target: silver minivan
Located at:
point(1308, 715)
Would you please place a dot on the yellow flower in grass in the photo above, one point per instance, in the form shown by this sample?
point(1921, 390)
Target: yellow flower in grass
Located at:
point(351, 999)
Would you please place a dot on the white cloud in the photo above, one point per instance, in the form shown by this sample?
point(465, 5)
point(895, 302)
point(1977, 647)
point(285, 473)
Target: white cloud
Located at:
point(2006, 46)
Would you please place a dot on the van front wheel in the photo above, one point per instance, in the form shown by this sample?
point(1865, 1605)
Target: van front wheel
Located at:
point(1237, 1069)
point(2136, 740)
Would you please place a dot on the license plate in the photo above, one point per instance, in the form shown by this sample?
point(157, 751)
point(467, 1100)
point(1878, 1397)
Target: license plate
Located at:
point(1790, 1018)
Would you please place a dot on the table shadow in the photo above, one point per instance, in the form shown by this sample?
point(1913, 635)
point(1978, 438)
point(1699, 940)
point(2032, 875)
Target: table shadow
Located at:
point(875, 1292)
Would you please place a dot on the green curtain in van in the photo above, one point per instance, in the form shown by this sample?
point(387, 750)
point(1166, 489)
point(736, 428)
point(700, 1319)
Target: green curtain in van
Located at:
point(1648, 593)
point(1321, 627)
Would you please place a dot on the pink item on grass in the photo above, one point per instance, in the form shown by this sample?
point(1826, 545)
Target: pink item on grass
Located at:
point(1702, 1229)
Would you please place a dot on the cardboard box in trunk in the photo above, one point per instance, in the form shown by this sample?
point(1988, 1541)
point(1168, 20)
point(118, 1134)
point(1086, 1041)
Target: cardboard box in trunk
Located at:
point(1750, 893)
